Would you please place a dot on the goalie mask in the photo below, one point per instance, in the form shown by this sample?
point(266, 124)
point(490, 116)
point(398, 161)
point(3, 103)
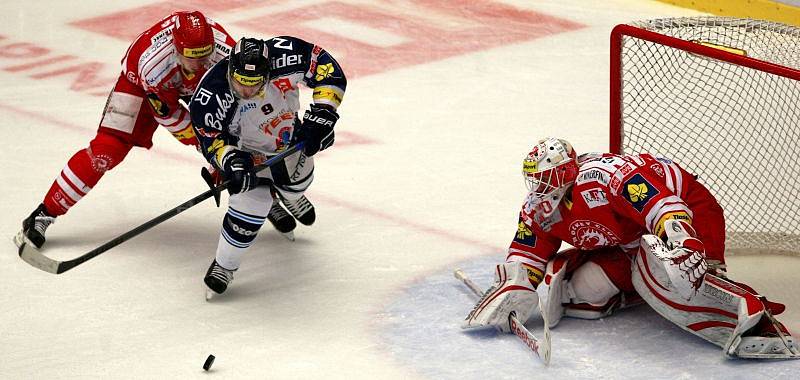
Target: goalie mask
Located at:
point(550, 170)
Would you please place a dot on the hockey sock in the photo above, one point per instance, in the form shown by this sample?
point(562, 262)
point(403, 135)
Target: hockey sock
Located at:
point(83, 171)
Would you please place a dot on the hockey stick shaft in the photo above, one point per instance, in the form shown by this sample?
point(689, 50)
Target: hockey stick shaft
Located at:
point(540, 349)
point(36, 259)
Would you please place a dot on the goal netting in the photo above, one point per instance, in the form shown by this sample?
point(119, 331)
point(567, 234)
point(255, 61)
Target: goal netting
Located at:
point(721, 96)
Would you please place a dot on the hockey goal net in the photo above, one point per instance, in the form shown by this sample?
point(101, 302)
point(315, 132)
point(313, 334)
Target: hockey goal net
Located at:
point(721, 96)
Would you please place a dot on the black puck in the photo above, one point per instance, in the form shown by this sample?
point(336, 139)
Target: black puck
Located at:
point(208, 363)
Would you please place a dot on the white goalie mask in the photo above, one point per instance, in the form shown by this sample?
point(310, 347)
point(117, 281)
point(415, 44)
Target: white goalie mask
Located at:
point(549, 170)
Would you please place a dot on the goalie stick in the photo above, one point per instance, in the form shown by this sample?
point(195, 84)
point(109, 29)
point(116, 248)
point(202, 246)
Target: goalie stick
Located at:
point(35, 258)
point(540, 348)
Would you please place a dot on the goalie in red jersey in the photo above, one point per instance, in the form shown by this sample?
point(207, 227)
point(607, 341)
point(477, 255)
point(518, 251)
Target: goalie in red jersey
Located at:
point(163, 64)
point(643, 230)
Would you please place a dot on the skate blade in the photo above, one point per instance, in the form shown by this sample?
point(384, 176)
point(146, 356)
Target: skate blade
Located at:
point(209, 294)
point(288, 235)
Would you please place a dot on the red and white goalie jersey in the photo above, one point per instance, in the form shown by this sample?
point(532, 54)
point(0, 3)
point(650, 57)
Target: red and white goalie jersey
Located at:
point(614, 201)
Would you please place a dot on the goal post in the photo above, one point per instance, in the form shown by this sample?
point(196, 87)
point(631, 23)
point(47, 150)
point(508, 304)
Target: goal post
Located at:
point(721, 96)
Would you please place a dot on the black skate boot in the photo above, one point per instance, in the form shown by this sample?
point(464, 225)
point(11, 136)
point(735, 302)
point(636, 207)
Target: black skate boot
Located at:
point(217, 279)
point(34, 226)
point(281, 220)
point(301, 209)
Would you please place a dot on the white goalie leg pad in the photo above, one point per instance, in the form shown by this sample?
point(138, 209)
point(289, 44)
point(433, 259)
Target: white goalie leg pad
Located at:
point(591, 291)
point(511, 292)
point(553, 291)
point(720, 312)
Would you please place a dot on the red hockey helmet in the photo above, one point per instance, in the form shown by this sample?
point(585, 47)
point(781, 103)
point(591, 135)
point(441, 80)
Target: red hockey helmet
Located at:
point(192, 35)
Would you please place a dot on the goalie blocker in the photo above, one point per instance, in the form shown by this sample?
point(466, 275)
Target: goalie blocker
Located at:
point(720, 311)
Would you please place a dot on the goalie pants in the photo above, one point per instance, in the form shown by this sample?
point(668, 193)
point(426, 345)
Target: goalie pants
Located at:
point(127, 121)
point(248, 211)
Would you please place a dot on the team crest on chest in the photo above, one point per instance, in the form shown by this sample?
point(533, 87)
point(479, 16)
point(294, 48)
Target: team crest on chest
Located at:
point(587, 235)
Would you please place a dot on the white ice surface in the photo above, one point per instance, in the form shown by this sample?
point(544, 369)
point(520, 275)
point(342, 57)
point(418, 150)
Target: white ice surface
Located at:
point(368, 291)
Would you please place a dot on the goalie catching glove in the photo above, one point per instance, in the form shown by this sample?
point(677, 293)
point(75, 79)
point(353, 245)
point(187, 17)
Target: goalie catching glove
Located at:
point(317, 129)
point(512, 292)
point(685, 265)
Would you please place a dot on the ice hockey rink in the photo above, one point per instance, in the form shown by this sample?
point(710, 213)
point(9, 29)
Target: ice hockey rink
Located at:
point(444, 99)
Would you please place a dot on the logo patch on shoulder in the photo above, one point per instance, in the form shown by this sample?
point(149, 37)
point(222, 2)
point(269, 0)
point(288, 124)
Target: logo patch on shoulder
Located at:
point(638, 191)
point(524, 234)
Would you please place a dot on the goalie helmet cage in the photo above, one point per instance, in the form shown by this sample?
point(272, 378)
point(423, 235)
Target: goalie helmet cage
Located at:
point(720, 96)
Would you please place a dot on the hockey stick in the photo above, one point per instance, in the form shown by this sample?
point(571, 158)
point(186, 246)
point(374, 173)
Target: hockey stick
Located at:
point(35, 258)
point(540, 348)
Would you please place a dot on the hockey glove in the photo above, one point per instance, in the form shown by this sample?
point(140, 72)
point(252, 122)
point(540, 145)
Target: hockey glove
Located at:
point(239, 171)
point(317, 129)
point(687, 264)
point(512, 291)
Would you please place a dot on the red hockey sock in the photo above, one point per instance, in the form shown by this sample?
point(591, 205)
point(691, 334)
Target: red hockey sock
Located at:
point(83, 171)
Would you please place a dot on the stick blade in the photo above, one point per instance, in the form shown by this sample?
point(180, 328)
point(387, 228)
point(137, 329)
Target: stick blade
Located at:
point(32, 256)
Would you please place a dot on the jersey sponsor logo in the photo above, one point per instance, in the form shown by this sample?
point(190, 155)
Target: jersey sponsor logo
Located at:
point(638, 191)
point(159, 107)
point(282, 43)
point(588, 234)
point(287, 60)
point(222, 48)
point(203, 96)
point(625, 170)
point(159, 39)
point(615, 184)
point(283, 84)
point(274, 122)
point(525, 235)
point(214, 120)
point(247, 107)
point(132, 78)
point(658, 169)
point(593, 175)
point(594, 197)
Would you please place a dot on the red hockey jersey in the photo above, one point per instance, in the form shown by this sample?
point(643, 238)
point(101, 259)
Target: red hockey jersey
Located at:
point(614, 201)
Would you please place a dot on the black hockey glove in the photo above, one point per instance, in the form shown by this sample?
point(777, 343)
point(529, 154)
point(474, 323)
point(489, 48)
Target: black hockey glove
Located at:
point(239, 171)
point(317, 129)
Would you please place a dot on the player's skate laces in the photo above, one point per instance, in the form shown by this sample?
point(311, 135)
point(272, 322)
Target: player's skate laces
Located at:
point(217, 278)
point(301, 209)
point(35, 225)
point(280, 219)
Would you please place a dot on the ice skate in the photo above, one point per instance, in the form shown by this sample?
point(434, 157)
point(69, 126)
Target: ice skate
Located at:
point(281, 220)
point(217, 279)
point(301, 209)
point(34, 227)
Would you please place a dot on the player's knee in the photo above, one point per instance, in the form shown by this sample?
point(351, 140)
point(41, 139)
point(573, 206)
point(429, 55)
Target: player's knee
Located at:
point(106, 151)
point(591, 285)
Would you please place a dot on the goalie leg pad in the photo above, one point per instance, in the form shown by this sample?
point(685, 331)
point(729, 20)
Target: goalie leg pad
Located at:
point(552, 290)
point(721, 312)
point(511, 292)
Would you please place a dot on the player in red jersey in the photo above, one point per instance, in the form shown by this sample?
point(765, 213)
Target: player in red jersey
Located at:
point(642, 229)
point(162, 65)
